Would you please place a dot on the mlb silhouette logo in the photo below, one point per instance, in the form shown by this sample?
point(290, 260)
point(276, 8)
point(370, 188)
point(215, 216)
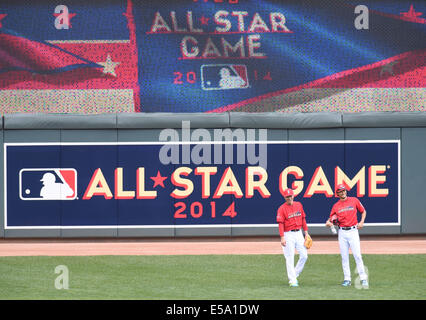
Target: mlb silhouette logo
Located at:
point(48, 184)
point(224, 76)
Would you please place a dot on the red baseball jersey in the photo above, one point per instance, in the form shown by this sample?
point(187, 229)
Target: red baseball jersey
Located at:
point(290, 217)
point(346, 211)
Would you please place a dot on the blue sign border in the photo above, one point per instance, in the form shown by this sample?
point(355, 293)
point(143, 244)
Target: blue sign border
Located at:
point(165, 226)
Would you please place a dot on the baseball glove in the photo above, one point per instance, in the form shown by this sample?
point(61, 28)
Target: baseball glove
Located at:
point(334, 220)
point(308, 242)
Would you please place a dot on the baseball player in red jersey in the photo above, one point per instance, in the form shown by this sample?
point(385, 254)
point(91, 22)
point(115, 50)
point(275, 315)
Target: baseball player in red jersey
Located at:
point(291, 219)
point(344, 214)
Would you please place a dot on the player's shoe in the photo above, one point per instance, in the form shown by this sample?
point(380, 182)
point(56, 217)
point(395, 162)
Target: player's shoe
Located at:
point(346, 283)
point(364, 284)
point(293, 284)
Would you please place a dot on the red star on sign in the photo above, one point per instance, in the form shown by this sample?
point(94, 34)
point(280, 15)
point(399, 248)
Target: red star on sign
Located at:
point(70, 16)
point(2, 16)
point(158, 180)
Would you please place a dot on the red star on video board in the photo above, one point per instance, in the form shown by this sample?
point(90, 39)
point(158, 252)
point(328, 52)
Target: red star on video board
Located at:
point(2, 16)
point(411, 13)
point(70, 16)
point(204, 20)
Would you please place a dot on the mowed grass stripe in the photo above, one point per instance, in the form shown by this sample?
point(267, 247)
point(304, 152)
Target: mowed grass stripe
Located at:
point(206, 277)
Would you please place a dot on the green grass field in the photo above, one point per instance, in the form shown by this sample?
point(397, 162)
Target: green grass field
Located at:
point(228, 277)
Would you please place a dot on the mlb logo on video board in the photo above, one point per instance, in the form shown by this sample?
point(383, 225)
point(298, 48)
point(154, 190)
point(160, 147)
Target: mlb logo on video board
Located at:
point(48, 184)
point(224, 76)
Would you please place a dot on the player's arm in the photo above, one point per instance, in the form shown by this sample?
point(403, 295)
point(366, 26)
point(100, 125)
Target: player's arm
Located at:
point(328, 223)
point(304, 224)
point(281, 228)
point(361, 209)
point(280, 221)
point(361, 223)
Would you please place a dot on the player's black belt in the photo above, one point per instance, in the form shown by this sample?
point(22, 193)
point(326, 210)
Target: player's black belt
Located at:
point(294, 230)
point(348, 228)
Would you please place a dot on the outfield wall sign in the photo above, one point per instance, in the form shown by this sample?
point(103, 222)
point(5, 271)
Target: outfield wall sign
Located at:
point(125, 185)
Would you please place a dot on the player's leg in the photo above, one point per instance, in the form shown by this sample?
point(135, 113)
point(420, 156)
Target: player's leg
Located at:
point(344, 252)
point(288, 250)
point(355, 245)
point(303, 253)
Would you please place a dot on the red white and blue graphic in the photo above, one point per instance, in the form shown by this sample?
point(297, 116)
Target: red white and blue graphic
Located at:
point(159, 56)
point(299, 55)
point(47, 184)
point(75, 57)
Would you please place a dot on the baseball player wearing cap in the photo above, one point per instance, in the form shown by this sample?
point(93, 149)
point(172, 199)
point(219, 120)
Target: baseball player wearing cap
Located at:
point(344, 214)
point(291, 219)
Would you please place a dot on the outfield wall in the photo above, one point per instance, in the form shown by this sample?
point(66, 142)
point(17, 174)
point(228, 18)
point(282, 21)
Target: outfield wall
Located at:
point(43, 141)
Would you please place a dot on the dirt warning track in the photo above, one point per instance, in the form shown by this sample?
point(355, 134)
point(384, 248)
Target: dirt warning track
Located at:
point(198, 246)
